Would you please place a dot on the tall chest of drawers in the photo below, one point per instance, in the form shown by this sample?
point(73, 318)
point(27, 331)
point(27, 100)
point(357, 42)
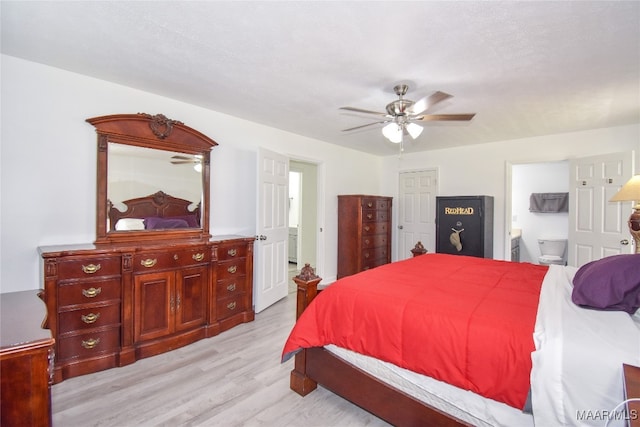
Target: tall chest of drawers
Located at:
point(364, 233)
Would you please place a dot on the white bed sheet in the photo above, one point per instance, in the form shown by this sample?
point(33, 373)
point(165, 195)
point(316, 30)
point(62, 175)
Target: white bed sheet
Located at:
point(577, 366)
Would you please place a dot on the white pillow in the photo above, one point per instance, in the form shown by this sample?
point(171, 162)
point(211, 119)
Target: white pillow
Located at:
point(125, 224)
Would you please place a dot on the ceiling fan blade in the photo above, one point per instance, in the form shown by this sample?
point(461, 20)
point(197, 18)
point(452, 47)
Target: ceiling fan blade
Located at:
point(360, 110)
point(444, 117)
point(368, 124)
point(182, 158)
point(427, 102)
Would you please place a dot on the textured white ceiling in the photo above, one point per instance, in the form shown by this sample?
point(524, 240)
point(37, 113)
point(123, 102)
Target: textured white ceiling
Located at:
point(525, 68)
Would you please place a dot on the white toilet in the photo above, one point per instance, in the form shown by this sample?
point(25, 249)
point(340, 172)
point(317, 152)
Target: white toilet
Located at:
point(552, 251)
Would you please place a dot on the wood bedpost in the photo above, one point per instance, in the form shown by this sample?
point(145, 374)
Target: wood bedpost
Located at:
point(307, 282)
point(418, 249)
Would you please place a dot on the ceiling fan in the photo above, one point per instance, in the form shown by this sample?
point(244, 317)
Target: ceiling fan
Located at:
point(180, 160)
point(402, 115)
point(195, 160)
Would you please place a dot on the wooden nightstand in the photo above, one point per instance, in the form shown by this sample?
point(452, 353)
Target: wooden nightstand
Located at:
point(632, 390)
point(26, 353)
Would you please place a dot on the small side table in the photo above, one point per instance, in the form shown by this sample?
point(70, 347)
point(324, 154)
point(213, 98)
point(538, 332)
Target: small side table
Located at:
point(632, 390)
point(26, 357)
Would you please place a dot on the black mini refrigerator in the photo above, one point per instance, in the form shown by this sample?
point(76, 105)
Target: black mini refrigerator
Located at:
point(464, 225)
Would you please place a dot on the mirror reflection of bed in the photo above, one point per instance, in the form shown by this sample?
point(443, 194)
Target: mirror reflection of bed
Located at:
point(158, 211)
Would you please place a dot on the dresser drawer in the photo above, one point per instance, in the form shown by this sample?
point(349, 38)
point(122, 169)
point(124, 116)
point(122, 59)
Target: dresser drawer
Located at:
point(154, 261)
point(231, 269)
point(89, 267)
point(88, 344)
point(230, 287)
point(372, 263)
point(88, 292)
point(372, 215)
point(374, 241)
point(228, 252)
point(229, 306)
point(93, 317)
point(374, 253)
point(375, 227)
point(375, 203)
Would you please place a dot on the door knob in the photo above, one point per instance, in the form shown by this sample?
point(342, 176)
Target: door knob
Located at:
point(624, 242)
point(400, 227)
point(261, 237)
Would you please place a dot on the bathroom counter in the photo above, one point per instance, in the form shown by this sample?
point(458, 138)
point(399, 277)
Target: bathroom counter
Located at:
point(516, 233)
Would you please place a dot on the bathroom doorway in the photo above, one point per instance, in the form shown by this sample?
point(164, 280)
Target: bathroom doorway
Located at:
point(303, 221)
point(527, 179)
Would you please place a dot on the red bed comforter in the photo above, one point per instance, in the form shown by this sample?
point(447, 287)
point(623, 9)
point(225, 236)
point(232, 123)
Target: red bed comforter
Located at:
point(463, 320)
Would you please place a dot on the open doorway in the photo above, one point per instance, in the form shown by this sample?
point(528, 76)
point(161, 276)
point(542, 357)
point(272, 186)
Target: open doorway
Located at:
point(303, 213)
point(527, 226)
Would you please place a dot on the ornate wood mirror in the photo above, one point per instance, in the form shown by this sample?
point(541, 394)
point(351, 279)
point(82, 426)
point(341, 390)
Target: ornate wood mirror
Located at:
point(152, 179)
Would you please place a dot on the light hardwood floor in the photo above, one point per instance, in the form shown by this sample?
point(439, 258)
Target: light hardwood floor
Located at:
point(232, 379)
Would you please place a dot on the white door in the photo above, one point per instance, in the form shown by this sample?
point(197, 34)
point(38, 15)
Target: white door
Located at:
point(598, 228)
point(417, 211)
point(272, 228)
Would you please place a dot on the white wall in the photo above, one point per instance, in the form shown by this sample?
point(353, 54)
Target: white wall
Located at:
point(548, 177)
point(482, 169)
point(48, 164)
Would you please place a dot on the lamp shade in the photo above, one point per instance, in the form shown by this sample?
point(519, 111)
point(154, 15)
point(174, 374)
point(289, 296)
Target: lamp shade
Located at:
point(414, 130)
point(629, 192)
point(393, 132)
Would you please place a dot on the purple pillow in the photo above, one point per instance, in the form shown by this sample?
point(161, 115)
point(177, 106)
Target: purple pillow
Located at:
point(611, 283)
point(191, 220)
point(154, 223)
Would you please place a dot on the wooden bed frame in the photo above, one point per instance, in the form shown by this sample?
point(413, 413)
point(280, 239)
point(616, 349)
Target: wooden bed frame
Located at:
point(316, 365)
point(159, 205)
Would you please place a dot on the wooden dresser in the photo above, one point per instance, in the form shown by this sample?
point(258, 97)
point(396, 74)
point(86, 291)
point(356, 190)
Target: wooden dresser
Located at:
point(26, 353)
point(364, 233)
point(111, 305)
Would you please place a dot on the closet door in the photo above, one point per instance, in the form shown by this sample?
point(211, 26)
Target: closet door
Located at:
point(597, 227)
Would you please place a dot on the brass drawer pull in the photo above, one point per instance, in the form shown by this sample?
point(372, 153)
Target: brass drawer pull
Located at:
point(232, 269)
point(369, 216)
point(149, 262)
point(232, 252)
point(370, 204)
point(198, 257)
point(90, 343)
point(91, 292)
point(91, 268)
point(367, 228)
point(231, 287)
point(231, 305)
point(90, 318)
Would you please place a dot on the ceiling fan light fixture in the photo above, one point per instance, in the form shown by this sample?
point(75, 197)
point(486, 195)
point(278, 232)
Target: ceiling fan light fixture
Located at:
point(393, 132)
point(414, 130)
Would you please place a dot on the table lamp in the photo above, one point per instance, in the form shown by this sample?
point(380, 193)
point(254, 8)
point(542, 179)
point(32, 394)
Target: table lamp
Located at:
point(630, 192)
